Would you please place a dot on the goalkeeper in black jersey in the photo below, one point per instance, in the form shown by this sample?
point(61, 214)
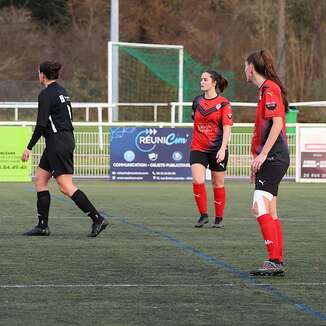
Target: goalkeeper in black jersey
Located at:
point(54, 123)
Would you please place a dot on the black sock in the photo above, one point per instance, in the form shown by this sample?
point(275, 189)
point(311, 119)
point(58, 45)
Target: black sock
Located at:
point(43, 206)
point(85, 205)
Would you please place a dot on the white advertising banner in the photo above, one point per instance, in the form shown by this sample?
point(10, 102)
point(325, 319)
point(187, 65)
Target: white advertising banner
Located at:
point(311, 154)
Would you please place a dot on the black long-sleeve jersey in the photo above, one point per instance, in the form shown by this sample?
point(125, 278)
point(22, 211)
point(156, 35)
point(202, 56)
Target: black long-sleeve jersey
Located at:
point(54, 113)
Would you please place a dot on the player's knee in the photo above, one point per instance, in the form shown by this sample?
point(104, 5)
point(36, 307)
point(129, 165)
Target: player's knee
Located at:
point(261, 202)
point(218, 183)
point(64, 189)
point(198, 179)
point(39, 184)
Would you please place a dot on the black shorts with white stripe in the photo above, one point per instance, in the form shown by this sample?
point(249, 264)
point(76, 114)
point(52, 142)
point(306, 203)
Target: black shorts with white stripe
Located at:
point(208, 159)
point(270, 174)
point(58, 155)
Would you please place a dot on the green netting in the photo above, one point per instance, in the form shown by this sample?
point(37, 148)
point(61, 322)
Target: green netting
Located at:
point(151, 75)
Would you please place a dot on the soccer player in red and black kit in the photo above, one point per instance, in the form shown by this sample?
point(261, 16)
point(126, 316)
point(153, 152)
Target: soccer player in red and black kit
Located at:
point(270, 156)
point(54, 123)
point(212, 115)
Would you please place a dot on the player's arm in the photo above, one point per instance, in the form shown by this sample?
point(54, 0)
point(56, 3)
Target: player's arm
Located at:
point(193, 107)
point(273, 111)
point(226, 136)
point(40, 128)
point(227, 124)
point(271, 139)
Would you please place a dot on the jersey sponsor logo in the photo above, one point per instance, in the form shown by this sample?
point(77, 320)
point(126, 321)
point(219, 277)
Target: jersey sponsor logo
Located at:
point(64, 99)
point(207, 128)
point(271, 106)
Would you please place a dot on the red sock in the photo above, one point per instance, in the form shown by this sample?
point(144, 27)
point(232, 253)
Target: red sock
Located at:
point(269, 232)
point(279, 238)
point(219, 201)
point(200, 197)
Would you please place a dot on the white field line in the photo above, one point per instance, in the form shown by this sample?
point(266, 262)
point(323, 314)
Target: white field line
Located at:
point(69, 286)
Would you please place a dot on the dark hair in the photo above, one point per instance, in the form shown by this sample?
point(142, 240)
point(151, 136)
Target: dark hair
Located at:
point(50, 69)
point(221, 82)
point(264, 64)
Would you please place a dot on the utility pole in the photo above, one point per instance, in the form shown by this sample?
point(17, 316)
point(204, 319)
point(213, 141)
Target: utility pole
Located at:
point(281, 39)
point(114, 37)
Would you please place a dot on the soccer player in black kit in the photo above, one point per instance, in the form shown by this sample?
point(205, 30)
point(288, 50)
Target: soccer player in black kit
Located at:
point(54, 123)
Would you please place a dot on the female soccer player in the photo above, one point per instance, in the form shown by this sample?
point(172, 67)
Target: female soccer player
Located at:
point(54, 122)
point(212, 117)
point(270, 155)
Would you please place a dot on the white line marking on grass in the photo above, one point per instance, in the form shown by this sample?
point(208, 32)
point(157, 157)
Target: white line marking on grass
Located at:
point(68, 286)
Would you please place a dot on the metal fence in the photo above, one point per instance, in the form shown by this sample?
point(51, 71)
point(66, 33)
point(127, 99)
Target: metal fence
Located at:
point(93, 160)
point(240, 155)
point(92, 154)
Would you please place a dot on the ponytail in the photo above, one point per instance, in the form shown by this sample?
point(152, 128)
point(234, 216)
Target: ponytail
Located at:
point(221, 82)
point(264, 65)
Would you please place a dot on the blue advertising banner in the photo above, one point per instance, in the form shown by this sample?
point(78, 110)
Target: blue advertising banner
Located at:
point(150, 154)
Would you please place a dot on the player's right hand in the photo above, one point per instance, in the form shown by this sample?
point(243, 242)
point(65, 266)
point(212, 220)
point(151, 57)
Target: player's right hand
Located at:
point(25, 155)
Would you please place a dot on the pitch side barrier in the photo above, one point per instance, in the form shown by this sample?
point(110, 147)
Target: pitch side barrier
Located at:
point(92, 154)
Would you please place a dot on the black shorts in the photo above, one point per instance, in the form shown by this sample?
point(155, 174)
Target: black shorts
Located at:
point(209, 160)
point(58, 155)
point(270, 175)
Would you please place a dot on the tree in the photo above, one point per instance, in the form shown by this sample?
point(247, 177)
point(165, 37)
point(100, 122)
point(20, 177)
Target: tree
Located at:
point(52, 12)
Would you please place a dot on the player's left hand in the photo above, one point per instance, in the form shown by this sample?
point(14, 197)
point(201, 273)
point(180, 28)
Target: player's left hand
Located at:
point(258, 162)
point(25, 155)
point(220, 156)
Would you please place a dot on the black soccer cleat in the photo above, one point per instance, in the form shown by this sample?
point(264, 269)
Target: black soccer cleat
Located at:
point(269, 268)
point(201, 221)
point(218, 223)
point(38, 231)
point(98, 227)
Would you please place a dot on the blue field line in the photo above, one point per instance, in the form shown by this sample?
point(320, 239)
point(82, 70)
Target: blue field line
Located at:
point(32, 189)
point(210, 259)
point(229, 268)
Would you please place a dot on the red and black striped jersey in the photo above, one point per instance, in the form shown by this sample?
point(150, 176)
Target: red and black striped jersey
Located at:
point(209, 115)
point(270, 104)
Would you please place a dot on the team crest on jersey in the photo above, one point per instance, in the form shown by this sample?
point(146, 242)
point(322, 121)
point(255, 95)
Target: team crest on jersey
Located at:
point(218, 106)
point(271, 106)
point(230, 116)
